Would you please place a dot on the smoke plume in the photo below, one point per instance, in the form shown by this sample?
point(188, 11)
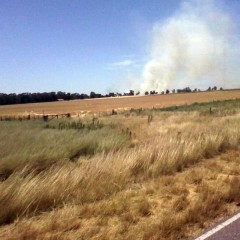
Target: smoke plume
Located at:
point(195, 47)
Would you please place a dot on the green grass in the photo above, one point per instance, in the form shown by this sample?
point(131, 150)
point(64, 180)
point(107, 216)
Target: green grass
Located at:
point(31, 143)
point(227, 105)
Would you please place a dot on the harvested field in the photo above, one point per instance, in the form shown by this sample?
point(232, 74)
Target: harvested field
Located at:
point(122, 103)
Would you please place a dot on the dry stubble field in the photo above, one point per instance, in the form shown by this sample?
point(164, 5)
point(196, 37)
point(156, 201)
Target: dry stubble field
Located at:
point(107, 104)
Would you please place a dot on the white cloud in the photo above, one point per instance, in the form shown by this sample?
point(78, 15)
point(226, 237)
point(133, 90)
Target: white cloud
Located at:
point(124, 63)
point(130, 63)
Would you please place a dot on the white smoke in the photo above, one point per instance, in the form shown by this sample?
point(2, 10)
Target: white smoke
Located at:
point(192, 48)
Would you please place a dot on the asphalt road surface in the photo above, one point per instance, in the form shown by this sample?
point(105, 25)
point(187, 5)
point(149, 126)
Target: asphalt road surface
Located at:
point(228, 229)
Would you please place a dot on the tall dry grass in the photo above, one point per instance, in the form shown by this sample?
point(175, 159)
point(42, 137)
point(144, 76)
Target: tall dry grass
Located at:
point(97, 178)
point(126, 181)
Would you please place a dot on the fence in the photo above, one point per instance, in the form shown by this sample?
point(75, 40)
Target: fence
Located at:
point(45, 117)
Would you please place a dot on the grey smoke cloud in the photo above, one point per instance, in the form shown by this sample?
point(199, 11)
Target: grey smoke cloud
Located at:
point(194, 47)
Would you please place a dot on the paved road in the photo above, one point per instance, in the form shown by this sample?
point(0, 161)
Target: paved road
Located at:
point(228, 229)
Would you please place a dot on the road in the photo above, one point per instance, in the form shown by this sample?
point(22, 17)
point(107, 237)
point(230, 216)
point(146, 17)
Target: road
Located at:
point(229, 229)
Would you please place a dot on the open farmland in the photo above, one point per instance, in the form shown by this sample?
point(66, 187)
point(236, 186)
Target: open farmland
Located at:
point(122, 103)
point(121, 177)
point(119, 120)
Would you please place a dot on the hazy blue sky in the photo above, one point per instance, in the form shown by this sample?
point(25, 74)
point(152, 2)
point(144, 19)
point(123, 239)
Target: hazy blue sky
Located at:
point(78, 46)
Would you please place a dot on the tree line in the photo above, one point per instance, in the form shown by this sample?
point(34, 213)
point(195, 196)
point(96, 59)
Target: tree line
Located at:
point(27, 97)
point(22, 98)
point(184, 90)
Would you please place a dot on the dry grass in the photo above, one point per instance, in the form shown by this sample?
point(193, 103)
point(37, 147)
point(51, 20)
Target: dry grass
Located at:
point(180, 173)
point(166, 207)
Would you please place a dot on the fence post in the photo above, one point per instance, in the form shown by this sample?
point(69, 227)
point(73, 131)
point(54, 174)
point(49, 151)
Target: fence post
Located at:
point(45, 118)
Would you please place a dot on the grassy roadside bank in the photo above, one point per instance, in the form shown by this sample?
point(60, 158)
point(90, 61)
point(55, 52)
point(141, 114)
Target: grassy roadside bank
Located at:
point(163, 181)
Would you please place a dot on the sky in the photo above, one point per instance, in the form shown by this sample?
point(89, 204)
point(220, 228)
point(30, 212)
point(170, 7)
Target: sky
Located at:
point(85, 45)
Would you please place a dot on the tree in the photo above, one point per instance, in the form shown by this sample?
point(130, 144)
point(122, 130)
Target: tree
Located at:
point(61, 95)
point(68, 96)
point(111, 94)
point(75, 96)
point(131, 93)
point(92, 94)
point(146, 93)
point(83, 96)
point(167, 91)
point(187, 89)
